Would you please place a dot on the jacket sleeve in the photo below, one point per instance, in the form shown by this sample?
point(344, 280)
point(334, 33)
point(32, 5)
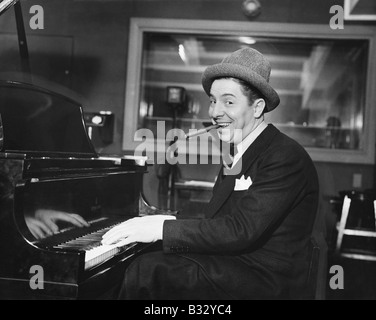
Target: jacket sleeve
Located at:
point(280, 183)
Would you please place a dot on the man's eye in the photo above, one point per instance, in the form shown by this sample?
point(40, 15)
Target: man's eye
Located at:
point(229, 102)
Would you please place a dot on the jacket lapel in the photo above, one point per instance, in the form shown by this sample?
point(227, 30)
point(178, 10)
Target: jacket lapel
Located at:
point(225, 187)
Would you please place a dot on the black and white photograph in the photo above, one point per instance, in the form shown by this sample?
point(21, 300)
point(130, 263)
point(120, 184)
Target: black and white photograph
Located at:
point(190, 154)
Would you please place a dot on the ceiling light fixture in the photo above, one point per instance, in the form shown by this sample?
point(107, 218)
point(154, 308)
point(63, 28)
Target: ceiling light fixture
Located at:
point(251, 8)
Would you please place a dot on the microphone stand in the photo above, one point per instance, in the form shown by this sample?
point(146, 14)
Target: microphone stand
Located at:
point(173, 167)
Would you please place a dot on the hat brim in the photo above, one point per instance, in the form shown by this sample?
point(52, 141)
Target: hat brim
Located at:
point(223, 70)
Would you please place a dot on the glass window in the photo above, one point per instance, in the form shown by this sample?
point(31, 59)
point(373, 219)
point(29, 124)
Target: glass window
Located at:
point(322, 82)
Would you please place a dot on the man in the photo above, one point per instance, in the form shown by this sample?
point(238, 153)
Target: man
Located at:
point(253, 241)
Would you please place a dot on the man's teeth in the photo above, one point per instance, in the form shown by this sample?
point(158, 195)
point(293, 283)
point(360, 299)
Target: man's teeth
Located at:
point(224, 125)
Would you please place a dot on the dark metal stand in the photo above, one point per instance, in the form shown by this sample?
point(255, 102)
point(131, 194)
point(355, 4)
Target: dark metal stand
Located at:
point(173, 169)
point(22, 43)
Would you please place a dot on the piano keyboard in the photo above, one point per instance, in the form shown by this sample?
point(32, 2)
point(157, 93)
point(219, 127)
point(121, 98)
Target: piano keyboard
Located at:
point(95, 251)
point(101, 253)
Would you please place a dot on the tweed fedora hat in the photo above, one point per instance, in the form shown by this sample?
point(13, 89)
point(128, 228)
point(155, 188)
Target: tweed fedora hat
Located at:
point(248, 65)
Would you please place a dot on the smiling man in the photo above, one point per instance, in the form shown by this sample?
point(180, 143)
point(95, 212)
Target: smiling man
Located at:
point(253, 241)
point(234, 106)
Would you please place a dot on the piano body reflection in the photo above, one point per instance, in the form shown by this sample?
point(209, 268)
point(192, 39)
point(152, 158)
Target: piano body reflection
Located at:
point(49, 168)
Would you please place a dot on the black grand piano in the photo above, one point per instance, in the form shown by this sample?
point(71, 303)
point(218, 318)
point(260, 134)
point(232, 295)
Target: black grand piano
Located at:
point(49, 171)
point(58, 196)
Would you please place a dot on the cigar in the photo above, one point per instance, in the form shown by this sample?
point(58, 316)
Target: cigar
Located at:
point(201, 131)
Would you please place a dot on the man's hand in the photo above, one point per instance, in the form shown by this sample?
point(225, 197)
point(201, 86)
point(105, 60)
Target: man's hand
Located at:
point(37, 228)
point(44, 222)
point(145, 229)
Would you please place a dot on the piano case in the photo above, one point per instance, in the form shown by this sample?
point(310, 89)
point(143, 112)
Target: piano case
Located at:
point(49, 168)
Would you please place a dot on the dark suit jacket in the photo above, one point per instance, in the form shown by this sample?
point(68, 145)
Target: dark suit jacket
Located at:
point(254, 243)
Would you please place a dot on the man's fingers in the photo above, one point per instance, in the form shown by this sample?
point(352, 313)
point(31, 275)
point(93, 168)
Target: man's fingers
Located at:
point(124, 242)
point(38, 229)
point(72, 218)
point(51, 225)
point(80, 219)
point(138, 229)
point(116, 235)
point(122, 228)
point(36, 232)
point(44, 228)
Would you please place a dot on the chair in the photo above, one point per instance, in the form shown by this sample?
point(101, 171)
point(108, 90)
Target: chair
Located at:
point(315, 282)
point(312, 284)
point(357, 227)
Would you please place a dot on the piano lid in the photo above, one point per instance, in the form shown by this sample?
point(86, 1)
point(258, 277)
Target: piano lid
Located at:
point(40, 123)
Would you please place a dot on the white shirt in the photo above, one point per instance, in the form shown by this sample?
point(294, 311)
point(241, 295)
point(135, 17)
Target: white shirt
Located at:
point(247, 141)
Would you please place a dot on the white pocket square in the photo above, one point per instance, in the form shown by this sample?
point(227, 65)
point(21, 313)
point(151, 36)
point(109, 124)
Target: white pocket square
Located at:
point(242, 183)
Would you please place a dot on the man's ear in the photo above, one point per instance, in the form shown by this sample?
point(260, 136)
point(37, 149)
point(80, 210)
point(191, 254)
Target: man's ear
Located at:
point(259, 107)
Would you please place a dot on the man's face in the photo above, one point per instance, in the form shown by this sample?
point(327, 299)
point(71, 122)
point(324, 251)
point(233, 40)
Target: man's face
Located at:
point(228, 105)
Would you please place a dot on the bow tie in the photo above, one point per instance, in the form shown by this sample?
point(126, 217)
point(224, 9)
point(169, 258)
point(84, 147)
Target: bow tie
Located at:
point(233, 150)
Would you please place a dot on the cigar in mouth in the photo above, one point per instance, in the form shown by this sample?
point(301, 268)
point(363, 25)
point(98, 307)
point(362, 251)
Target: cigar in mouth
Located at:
point(204, 130)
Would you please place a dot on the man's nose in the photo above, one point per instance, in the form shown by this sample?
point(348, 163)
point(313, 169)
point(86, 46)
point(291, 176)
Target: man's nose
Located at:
point(217, 111)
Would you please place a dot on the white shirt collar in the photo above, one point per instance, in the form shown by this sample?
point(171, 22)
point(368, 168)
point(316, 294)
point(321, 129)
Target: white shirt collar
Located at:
point(247, 141)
